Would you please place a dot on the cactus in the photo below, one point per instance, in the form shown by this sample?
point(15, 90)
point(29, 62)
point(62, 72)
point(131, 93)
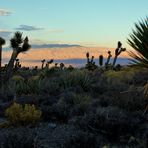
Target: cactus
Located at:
point(101, 60)
point(2, 42)
point(18, 45)
point(118, 51)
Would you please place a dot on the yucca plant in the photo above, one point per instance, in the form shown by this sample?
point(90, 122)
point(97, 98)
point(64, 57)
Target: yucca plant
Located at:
point(2, 42)
point(18, 45)
point(139, 42)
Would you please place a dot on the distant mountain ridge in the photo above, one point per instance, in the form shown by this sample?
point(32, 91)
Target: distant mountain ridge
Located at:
point(54, 45)
point(48, 46)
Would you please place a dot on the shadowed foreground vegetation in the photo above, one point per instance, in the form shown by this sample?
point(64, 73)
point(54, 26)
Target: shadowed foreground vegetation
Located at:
point(102, 105)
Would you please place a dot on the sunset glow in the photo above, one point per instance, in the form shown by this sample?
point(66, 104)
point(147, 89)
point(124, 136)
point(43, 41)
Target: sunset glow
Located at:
point(91, 24)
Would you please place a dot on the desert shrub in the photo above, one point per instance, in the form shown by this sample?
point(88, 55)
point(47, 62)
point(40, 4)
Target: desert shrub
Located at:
point(82, 139)
point(140, 77)
point(22, 115)
point(114, 122)
point(60, 112)
point(78, 102)
point(33, 84)
point(17, 138)
point(75, 78)
point(127, 97)
point(131, 100)
point(54, 71)
point(116, 77)
point(68, 106)
point(100, 86)
point(27, 99)
point(17, 78)
point(73, 99)
point(48, 86)
point(25, 73)
point(18, 85)
point(43, 86)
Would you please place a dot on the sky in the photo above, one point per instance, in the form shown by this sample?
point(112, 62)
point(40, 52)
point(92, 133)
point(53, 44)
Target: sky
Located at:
point(86, 22)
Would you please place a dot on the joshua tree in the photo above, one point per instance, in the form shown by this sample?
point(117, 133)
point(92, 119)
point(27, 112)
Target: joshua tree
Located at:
point(87, 56)
point(18, 45)
point(118, 51)
point(92, 59)
point(90, 63)
point(101, 60)
point(43, 62)
point(48, 63)
point(16, 64)
point(62, 66)
point(2, 42)
point(56, 64)
point(108, 58)
point(139, 41)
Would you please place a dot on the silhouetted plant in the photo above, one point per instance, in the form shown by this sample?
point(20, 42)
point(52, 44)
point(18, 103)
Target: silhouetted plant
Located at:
point(56, 65)
point(87, 56)
point(90, 63)
point(101, 60)
point(36, 68)
point(2, 42)
point(139, 41)
point(18, 45)
point(48, 63)
point(108, 59)
point(118, 51)
point(43, 62)
point(17, 64)
point(62, 66)
point(92, 59)
point(70, 67)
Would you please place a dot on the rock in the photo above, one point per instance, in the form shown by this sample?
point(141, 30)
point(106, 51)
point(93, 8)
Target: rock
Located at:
point(52, 125)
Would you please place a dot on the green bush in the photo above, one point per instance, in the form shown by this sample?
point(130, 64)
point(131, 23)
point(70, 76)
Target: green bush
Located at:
point(122, 76)
point(75, 78)
point(48, 86)
point(22, 115)
point(75, 104)
point(33, 84)
point(17, 85)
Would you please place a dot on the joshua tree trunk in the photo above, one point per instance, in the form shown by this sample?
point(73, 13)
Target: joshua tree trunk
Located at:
point(9, 69)
point(43, 62)
point(108, 59)
point(47, 65)
point(115, 59)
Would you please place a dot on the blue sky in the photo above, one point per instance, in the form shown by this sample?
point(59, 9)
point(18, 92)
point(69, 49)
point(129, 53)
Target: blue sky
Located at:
point(85, 22)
